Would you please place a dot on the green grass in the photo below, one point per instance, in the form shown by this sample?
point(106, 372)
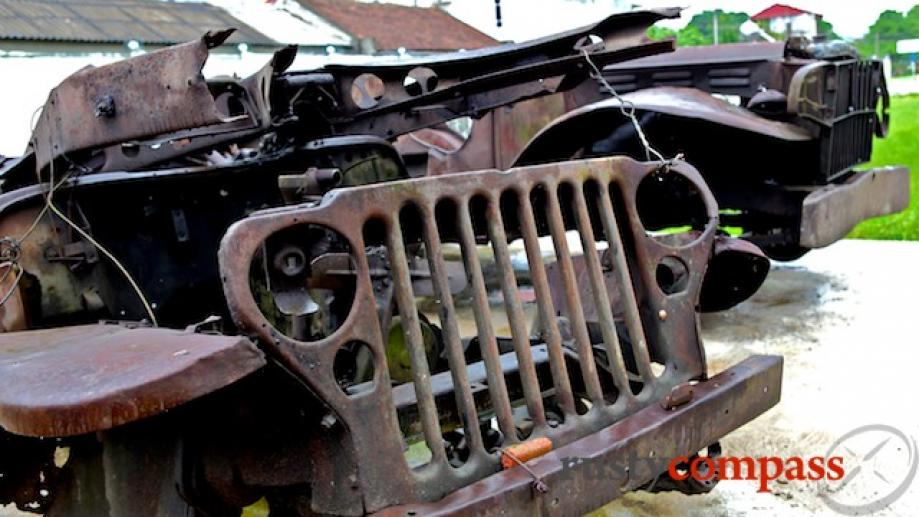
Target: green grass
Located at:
point(901, 147)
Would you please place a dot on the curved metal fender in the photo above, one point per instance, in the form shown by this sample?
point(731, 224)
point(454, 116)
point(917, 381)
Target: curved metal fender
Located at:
point(577, 126)
point(76, 380)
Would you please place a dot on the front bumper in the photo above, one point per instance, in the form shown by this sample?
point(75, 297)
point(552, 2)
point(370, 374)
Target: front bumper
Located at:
point(828, 214)
point(588, 473)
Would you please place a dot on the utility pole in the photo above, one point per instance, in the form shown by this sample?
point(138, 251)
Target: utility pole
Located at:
point(715, 25)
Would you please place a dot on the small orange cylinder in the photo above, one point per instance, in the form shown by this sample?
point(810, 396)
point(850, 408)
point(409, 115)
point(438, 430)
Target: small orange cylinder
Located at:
point(525, 451)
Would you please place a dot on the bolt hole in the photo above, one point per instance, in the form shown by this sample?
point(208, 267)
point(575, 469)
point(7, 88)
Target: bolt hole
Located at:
point(353, 368)
point(672, 275)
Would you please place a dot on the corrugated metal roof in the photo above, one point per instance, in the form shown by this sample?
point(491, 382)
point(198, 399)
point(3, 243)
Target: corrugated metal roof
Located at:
point(287, 22)
point(393, 26)
point(116, 21)
point(778, 11)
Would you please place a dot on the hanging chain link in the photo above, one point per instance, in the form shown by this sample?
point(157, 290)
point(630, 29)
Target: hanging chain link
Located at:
point(625, 107)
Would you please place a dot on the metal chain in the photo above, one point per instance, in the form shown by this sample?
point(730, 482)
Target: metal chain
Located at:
point(625, 107)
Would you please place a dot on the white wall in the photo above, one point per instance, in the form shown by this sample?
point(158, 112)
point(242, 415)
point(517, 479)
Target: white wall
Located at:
point(805, 24)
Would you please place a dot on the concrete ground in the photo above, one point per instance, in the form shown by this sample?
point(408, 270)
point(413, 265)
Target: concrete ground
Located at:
point(845, 319)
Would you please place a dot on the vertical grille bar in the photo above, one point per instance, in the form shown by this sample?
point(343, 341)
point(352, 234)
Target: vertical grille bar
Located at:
point(578, 325)
point(546, 309)
point(515, 314)
point(621, 266)
point(464, 400)
point(497, 387)
point(601, 299)
point(415, 343)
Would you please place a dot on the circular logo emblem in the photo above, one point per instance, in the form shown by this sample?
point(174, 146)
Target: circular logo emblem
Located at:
point(880, 464)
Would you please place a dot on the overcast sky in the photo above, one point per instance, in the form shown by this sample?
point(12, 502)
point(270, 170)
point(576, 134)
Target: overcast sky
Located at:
point(527, 19)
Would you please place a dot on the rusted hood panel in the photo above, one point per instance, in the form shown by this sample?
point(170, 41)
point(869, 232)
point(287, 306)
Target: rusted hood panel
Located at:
point(76, 380)
point(148, 95)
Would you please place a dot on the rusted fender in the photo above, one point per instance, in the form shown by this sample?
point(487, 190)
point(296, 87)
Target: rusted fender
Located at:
point(736, 271)
point(75, 380)
point(669, 100)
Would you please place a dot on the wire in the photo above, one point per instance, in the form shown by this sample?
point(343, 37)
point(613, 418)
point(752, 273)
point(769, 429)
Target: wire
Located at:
point(625, 107)
point(15, 281)
point(102, 249)
point(49, 205)
point(431, 145)
point(113, 259)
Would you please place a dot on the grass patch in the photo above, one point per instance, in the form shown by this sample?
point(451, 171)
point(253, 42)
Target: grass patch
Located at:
point(901, 147)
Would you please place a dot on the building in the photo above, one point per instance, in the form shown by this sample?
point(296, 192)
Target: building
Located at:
point(113, 26)
point(785, 20)
point(289, 23)
point(385, 28)
point(44, 41)
point(527, 19)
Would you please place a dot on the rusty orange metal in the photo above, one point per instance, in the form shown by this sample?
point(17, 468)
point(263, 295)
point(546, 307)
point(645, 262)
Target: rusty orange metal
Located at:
point(525, 451)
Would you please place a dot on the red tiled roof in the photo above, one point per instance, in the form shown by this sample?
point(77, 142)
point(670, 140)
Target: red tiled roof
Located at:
point(392, 26)
point(778, 11)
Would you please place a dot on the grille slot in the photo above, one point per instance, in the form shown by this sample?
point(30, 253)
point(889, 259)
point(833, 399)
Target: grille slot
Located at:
point(583, 210)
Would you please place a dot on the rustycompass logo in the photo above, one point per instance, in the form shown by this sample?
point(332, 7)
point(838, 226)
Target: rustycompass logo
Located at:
point(880, 462)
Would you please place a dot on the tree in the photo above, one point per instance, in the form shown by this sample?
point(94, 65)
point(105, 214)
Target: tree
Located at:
point(881, 38)
point(825, 28)
point(690, 36)
point(728, 25)
point(658, 33)
point(700, 29)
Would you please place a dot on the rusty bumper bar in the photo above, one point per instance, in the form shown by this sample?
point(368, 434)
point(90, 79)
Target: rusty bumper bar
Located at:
point(589, 472)
point(828, 214)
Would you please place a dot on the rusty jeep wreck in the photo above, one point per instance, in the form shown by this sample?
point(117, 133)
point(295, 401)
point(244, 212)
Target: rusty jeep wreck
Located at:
point(780, 161)
point(223, 292)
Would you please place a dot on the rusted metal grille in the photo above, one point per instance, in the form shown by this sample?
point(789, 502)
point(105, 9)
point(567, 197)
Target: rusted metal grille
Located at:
point(571, 376)
point(856, 100)
point(841, 98)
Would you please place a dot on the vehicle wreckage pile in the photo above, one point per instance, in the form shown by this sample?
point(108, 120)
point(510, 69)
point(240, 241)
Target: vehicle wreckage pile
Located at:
point(305, 287)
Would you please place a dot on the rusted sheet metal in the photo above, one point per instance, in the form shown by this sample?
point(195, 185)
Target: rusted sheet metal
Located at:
point(76, 380)
point(742, 69)
point(494, 141)
point(829, 213)
point(384, 477)
point(147, 95)
point(708, 55)
point(585, 474)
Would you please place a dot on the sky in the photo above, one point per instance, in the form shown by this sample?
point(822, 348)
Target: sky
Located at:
point(526, 19)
